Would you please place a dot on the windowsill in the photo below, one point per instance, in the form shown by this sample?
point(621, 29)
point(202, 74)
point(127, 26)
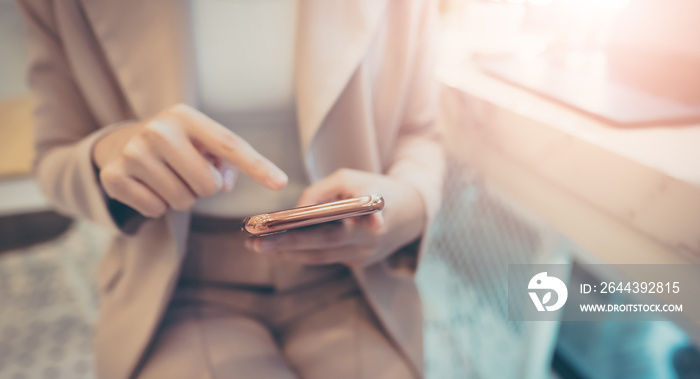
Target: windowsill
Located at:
point(673, 150)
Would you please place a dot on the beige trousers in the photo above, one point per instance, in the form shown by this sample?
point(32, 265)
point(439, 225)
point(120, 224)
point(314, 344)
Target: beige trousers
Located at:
point(322, 329)
point(340, 340)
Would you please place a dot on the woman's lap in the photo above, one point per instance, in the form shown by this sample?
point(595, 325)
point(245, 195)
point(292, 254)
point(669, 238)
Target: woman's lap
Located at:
point(341, 340)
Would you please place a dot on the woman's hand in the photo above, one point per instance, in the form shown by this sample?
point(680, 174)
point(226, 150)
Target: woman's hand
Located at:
point(358, 241)
point(175, 157)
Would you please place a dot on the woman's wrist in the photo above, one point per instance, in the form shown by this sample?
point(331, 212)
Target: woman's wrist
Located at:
point(416, 215)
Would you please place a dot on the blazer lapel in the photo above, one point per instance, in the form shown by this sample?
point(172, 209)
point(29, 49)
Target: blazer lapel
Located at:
point(147, 45)
point(332, 39)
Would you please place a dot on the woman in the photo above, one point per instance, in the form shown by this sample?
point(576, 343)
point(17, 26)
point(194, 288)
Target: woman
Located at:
point(143, 125)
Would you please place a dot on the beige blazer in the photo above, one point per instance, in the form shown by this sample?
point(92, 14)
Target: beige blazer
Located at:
point(366, 100)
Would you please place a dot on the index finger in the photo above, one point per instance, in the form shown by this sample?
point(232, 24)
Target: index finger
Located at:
point(225, 144)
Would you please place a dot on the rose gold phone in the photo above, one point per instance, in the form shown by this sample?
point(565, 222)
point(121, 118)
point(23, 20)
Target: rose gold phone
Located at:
point(275, 222)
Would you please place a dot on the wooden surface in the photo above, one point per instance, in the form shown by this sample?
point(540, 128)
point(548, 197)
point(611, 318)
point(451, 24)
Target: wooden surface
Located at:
point(16, 137)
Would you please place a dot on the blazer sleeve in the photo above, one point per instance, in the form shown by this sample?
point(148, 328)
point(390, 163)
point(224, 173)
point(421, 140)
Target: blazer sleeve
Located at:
point(65, 130)
point(419, 159)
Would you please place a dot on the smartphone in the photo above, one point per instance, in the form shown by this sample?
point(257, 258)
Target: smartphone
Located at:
point(280, 221)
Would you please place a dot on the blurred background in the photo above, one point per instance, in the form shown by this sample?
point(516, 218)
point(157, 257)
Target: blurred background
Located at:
point(572, 131)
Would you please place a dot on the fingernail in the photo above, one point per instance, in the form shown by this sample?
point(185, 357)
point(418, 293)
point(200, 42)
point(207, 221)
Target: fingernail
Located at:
point(229, 179)
point(217, 176)
point(277, 179)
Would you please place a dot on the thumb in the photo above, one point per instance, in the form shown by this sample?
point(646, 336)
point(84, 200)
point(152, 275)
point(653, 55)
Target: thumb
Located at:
point(326, 189)
point(225, 170)
point(229, 173)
